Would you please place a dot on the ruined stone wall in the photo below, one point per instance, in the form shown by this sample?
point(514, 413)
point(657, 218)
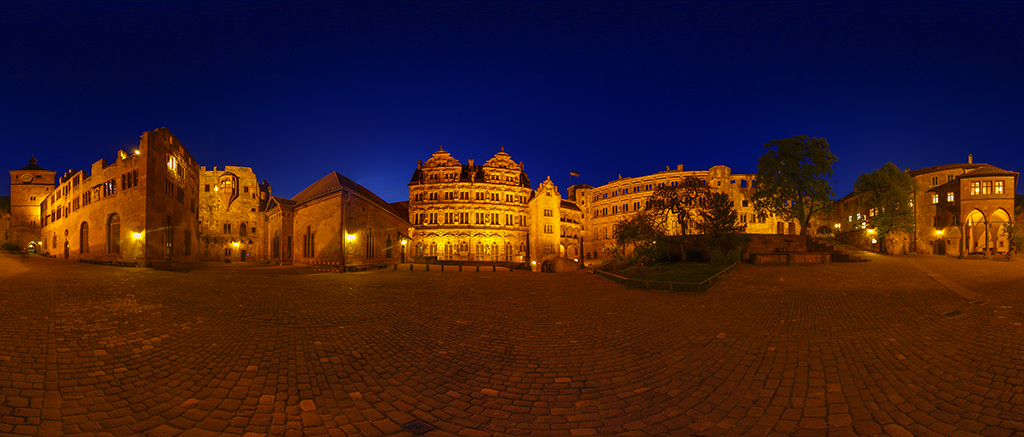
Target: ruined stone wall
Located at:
point(228, 201)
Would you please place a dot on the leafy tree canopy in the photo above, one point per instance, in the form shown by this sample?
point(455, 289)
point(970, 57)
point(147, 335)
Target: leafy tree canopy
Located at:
point(719, 217)
point(793, 179)
point(683, 202)
point(887, 192)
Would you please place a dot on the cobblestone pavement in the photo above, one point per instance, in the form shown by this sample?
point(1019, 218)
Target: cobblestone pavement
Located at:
point(875, 348)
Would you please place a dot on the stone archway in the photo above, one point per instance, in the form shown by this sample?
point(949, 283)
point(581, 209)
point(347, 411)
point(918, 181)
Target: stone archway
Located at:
point(975, 235)
point(999, 220)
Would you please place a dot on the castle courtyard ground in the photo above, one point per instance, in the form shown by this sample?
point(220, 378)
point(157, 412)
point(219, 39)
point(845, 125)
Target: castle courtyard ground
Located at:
point(911, 345)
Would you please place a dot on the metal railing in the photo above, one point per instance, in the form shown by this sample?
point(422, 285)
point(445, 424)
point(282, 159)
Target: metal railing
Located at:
point(698, 287)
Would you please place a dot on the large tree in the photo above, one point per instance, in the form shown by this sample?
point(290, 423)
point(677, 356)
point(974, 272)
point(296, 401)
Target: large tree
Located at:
point(719, 217)
point(637, 237)
point(683, 202)
point(793, 179)
point(887, 193)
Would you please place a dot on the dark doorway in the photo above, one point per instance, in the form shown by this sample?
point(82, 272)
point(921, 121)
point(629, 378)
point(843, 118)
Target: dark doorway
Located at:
point(241, 255)
point(67, 249)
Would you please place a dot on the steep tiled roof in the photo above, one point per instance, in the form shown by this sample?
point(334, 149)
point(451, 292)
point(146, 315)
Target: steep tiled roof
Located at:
point(927, 170)
point(32, 165)
point(334, 182)
point(988, 170)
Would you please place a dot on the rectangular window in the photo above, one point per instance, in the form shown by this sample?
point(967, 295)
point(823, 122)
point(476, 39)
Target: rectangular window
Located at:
point(745, 203)
point(206, 188)
point(986, 187)
point(743, 183)
point(949, 178)
point(999, 187)
point(935, 180)
point(227, 228)
point(548, 213)
point(975, 188)
point(227, 252)
point(935, 198)
point(950, 196)
point(548, 229)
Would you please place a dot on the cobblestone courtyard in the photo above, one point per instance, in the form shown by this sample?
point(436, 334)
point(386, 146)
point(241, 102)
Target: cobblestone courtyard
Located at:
point(887, 347)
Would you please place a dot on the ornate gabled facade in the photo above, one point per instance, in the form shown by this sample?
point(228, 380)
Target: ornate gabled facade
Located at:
point(469, 212)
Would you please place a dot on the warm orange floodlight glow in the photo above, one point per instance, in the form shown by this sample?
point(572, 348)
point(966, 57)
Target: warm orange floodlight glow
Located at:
point(137, 235)
point(350, 237)
point(235, 244)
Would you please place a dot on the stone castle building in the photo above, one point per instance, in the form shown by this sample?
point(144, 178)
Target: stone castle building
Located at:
point(232, 203)
point(334, 221)
point(959, 209)
point(466, 212)
point(29, 186)
point(470, 212)
point(154, 203)
point(606, 205)
point(140, 208)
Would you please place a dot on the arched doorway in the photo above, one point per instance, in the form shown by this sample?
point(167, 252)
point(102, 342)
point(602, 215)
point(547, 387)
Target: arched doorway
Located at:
point(1000, 219)
point(974, 233)
point(83, 238)
point(113, 234)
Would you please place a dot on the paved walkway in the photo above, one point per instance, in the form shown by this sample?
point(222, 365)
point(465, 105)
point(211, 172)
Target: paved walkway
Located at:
point(875, 348)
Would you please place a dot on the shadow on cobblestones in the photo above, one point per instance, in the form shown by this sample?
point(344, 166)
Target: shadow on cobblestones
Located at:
point(834, 349)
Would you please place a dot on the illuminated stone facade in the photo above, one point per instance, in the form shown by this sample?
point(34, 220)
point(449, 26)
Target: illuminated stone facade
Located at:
point(959, 209)
point(231, 215)
point(335, 220)
point(29, 186)
point(142, 207)
point(606, 205)
point(469, 212)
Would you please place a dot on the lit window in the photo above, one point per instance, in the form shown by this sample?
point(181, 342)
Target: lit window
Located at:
point(935, 198)
point(975, 188)
point(986, 187)
point(999, 187)
point(950, 196)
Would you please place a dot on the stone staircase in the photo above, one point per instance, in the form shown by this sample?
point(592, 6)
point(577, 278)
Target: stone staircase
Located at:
point(846, 254)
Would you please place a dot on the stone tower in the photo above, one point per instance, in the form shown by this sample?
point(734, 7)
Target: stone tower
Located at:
point(29, 186)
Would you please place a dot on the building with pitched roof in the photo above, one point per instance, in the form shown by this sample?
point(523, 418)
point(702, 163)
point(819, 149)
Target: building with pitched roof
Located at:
point(334, 221)
point(959, 209)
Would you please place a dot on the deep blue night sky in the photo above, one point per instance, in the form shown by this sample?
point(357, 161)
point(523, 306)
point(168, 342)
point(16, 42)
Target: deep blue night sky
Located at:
point(601, 88)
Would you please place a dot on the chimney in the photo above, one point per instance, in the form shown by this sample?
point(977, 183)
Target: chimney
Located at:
point(679, 167)
point(470, 162)
point(970, 158)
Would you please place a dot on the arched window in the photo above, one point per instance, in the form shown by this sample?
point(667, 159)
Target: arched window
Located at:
point(114, 234)
point(83, 238)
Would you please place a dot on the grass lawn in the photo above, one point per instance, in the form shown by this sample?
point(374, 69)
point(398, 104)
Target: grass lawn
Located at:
point(673, 272)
